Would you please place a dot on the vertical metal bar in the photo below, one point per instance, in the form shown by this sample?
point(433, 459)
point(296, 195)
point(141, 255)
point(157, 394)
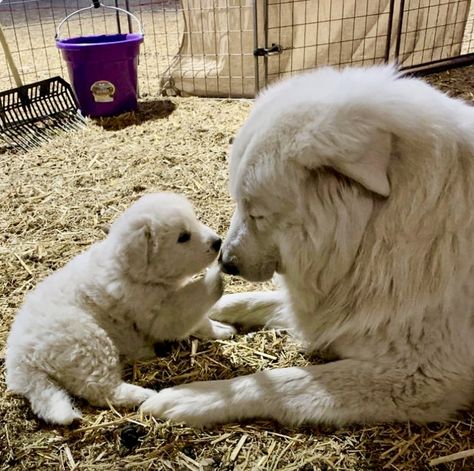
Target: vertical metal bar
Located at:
point(255, 44)
point(216, 49)
point(280, 24)
point(17, 43)
point(242, 68)
point(399, 30)
point(155, 35)
point(191, 51)
point(456, 22)
point(389, 31)
point(31, 42)
point(79, 19)
point(179, 38)
point(329, 32)
point(129, 18)
point(316, 37)
point(304, 33)
point(145, 48)
point(377, 25)
point(117, 17)
point(265, 32)
point(229, 58)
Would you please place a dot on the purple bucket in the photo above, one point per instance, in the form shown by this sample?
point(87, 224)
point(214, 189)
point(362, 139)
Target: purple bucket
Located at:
point(103, 71)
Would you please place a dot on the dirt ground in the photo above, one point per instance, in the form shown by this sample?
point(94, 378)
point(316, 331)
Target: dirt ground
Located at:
point(56, 200)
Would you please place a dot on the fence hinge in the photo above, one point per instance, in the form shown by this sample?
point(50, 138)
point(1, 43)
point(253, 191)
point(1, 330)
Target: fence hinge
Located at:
point(268, 51)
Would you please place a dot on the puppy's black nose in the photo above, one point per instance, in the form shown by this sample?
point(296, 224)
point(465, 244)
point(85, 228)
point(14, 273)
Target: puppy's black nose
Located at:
point(230, 268)
point(216, 245)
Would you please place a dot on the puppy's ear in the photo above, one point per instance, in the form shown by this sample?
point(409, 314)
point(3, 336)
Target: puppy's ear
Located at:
point(138, 245)
point(370, 168)
point(148, 243)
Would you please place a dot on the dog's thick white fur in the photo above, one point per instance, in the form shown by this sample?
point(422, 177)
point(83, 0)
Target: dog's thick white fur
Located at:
point(357, 187)
point(113, 302)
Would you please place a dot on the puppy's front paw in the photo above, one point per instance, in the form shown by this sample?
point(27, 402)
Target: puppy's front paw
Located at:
point(197, 404)
point(214, 283)
point(209, 329)
point(221, 331)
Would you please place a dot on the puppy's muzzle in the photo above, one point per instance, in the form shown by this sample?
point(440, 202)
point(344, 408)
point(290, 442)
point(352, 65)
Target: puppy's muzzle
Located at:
point(216, 244)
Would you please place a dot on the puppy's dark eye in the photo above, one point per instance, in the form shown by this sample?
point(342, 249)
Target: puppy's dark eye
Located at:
point(184, 237)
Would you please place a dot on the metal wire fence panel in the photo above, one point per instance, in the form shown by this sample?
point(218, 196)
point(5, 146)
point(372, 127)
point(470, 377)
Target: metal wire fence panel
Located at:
point(433, 30)
point(216, 56)
point(468, 39)
point(30, 27)
point(311, 33)
point(234, 47)
point(163, 22)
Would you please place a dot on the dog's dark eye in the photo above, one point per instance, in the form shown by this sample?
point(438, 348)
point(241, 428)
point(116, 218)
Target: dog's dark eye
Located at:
point(184, 237)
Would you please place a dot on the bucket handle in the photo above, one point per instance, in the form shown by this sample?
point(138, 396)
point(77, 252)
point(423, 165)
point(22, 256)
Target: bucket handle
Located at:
point(96, 5)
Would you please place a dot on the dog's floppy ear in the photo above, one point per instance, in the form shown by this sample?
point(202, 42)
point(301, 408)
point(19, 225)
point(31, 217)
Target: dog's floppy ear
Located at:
point(370, 168)
point(364, 162)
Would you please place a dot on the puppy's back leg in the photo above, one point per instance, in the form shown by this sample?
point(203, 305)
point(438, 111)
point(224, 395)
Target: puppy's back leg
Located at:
point(48, 400)
point(103, 384)
point(252, 309)
point(91, 369)
point(114, 391)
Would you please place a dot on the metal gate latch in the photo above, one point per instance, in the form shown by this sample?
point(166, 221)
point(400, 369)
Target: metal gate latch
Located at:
point(268, 51)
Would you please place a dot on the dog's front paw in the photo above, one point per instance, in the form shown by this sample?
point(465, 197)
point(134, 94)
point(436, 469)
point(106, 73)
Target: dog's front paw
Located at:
point(196, 404)
point(214, 283)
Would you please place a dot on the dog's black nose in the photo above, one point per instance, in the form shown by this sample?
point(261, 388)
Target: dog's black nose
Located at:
point(216, 245)
point(230, 268)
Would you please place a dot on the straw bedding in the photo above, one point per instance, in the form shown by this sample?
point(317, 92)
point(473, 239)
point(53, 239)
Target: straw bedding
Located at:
point(58, 199)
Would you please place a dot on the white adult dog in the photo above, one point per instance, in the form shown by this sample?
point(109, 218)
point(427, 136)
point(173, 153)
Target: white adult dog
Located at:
point(115, 300)
point(357, 187)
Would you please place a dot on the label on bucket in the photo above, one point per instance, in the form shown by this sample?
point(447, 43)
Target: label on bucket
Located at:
point(103, 91)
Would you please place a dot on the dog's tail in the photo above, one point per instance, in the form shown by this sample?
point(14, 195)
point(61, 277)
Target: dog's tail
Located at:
point(48, 400)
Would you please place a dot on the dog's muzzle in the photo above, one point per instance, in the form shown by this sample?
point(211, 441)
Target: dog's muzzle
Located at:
point(228, 267)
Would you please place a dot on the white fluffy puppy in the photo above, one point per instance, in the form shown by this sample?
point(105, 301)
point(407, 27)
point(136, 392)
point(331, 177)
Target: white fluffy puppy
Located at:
point(114, 302)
